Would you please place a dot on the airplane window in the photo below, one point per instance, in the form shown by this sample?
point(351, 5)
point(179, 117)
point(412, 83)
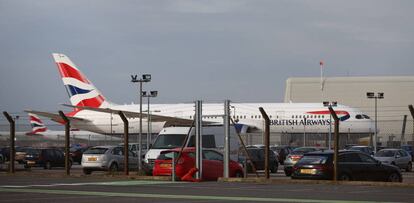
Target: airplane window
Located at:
point(300, 116)
point(259, 116)
point(255, 116)
point(323, 116)
point(252, 116)
point(358, 116)
point(270, 116)
point(365, 116)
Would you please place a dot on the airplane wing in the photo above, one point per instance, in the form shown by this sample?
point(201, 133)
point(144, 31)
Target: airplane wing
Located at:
point(170, 121)
point(55, 117)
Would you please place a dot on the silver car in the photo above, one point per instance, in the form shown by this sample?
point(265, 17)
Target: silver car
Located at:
point(396, 157)
point(106, 158)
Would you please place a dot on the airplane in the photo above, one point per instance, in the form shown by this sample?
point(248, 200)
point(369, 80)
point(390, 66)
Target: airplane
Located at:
point(93, 112)
point(40, 131)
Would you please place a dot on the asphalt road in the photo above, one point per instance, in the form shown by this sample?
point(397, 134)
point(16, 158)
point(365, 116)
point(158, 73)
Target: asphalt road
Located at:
point(39, 185)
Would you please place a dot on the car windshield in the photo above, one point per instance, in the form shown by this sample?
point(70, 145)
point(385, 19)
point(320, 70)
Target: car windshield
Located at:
point(313, 159)
point(303, 150)
point(169, 141)
point(385, 153)
point(167, 155)
point(73, 149)
point(96, 150)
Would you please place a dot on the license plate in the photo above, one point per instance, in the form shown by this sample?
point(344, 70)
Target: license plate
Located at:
point(92, 159)
point(307, 171)
point(31, 162)
point(165, 165)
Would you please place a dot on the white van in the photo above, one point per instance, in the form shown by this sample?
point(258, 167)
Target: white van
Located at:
point(174, 137)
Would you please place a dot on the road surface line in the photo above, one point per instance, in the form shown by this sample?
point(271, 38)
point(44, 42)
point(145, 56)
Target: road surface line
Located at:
point(165, 196)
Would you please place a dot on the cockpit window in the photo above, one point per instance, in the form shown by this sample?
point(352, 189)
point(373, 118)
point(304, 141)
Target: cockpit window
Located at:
point(365, 116)
point(358, 116)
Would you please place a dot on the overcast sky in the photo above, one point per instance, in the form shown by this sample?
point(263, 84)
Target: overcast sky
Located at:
point(212, 50)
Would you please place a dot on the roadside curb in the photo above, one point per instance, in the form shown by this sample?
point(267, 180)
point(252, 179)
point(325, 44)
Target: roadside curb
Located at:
point(327, 182)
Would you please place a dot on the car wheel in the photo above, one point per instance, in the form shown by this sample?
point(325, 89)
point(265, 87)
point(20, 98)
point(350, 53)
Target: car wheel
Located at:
point(48, 165)
point(287, 173)
point(345, 177)
point(113, 168)
point(409, 167)
point(87, 171)
point(394, 177)
point(239, 174)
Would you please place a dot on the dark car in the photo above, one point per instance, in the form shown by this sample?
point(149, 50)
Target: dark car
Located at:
point(352, 165)
point(5, 154)
point(295, 156)
point(46, 158)
point(76, 153)
point(282, 152)
point(258, 158)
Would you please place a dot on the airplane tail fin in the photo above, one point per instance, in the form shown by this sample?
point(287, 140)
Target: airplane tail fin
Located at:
point(37, 124)
point(80, 90)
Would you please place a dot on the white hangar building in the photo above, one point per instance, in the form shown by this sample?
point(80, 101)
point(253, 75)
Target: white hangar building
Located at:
point(352, 91)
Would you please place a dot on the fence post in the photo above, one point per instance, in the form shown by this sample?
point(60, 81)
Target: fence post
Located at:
point(12, 135)
point(67, 141)
point(126, 142)
point(336, 143)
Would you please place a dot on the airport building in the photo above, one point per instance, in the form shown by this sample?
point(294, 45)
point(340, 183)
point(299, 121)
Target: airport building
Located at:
point(398, 93)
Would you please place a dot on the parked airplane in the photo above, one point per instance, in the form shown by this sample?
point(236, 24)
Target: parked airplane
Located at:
point(40, 131)
point(93, 112)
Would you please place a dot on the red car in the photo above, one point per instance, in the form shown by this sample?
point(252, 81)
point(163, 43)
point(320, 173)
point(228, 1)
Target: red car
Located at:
point(212, 164)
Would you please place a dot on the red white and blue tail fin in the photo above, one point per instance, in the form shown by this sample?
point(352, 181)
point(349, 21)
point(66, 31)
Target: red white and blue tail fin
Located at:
point(80, 90)
point(37, 125)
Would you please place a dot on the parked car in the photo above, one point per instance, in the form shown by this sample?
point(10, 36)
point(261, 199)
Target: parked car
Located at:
point(21, 153)
point(107, 158)
point(46, 158)
point(134, 147)
point(294, 157)
point(352, 165)
point(76, 153)
point(409, 149)
point(282, 152)
point(212, 164)
point(258, 158)
point(365, 149)
point(5, 153)
point(396, 157)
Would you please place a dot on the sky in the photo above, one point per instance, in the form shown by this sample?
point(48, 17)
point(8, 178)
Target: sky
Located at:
point(242, 50)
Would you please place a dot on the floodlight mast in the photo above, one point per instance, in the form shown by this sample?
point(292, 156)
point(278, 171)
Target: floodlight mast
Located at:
point(134, 79)
point(372, 95)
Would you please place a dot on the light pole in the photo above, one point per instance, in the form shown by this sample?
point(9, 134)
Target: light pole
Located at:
point(148, 95)
point(378, 95)
point(134, 79)
point(330, 104)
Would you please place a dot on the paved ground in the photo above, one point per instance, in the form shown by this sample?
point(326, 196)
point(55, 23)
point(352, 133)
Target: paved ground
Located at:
point(39, 185)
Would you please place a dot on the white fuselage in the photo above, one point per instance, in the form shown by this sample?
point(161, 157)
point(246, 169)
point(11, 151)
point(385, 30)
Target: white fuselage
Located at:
point(285, 117)
point(57, 135)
